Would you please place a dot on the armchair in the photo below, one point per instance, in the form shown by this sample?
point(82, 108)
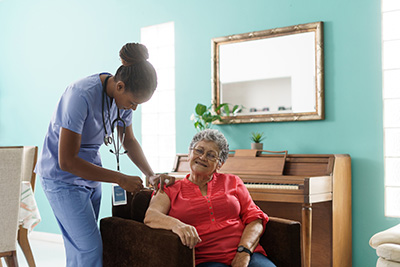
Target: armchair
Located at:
point(128, 242)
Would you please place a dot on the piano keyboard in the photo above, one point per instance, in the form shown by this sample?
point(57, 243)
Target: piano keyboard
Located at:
point(271, 186)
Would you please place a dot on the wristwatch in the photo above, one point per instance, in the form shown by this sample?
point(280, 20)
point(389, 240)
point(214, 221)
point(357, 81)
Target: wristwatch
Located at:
point(244, 249)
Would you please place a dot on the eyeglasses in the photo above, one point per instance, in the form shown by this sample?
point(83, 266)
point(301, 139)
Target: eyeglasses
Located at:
point(210, 155)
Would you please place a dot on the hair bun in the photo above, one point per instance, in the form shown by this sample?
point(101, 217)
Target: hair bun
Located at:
point(133, 53)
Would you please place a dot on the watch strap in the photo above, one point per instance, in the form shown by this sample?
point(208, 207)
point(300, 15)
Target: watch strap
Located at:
point(244, 249)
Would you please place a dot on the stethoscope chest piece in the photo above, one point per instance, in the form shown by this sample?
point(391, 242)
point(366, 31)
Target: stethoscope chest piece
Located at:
point(108, 140)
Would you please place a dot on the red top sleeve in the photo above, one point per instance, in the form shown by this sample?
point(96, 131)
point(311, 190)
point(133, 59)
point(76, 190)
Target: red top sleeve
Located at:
point(249, 210)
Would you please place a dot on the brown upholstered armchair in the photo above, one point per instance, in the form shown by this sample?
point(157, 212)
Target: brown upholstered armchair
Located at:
point(128, 242)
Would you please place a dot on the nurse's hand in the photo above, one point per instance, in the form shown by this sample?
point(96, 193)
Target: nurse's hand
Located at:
point(132, 184)
point(162, 179)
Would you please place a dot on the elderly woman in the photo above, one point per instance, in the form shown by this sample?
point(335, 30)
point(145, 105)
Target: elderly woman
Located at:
point(210, 211)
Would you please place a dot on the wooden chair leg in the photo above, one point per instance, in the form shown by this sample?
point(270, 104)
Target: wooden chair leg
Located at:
point(25, 247)
point(12, 261)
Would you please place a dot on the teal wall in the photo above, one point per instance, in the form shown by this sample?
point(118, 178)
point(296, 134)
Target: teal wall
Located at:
point(46, 44)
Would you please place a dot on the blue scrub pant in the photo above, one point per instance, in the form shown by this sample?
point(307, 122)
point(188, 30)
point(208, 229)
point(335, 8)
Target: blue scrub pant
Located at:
point(76, 209)
point(256, 260)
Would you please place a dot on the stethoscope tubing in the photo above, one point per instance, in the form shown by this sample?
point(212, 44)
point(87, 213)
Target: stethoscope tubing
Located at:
point(110, 139)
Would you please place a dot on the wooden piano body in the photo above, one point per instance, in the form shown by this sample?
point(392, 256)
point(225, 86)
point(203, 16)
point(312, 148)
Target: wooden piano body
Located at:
point(314, 189)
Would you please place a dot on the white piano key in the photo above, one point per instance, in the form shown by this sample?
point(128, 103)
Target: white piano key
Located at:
point(272, 186)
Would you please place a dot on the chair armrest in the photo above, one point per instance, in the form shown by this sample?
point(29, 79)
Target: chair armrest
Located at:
point(131, 243)
point(281, 242)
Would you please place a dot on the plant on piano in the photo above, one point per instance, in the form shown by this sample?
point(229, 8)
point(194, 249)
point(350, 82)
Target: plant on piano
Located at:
point(204, 116)
point(257, 137)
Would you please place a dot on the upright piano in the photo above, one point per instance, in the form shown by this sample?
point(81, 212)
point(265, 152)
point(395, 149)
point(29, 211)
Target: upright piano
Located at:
point(314, 189)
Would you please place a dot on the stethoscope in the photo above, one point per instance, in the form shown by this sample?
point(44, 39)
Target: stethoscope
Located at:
point(110, 139)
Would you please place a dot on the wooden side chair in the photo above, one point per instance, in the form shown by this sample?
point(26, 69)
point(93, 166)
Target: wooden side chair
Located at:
point(10, 195)
point(28, 165)
point(24, 164)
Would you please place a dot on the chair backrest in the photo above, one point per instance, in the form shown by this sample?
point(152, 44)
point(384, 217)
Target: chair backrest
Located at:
point(10, 194)
point(28, 165)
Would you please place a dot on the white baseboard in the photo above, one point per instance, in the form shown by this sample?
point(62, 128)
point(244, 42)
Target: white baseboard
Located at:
point(48, 237)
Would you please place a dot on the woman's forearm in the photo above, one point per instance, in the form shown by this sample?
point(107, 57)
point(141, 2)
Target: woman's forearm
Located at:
point(251, 234)
point(156, 218)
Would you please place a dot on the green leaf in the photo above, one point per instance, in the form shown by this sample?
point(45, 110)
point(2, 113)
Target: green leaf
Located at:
point(226, 109)
point(257, 137)
point(200, 109)
point(206, 115)
point(235, 107)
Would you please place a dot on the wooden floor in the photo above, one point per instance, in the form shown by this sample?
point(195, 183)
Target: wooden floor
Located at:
point(47, 252)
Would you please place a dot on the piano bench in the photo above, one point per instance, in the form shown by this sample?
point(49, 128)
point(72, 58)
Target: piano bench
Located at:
point(128, 242)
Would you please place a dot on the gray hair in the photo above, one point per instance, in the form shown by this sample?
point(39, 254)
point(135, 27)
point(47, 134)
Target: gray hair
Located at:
point(215, 136)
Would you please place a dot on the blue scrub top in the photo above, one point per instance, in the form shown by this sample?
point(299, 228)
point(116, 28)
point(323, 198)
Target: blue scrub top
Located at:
point(79, 110)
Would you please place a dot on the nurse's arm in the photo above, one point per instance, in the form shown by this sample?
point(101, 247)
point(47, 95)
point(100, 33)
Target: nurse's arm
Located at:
point(69, 161)
point(135, 153)
point(156, 217)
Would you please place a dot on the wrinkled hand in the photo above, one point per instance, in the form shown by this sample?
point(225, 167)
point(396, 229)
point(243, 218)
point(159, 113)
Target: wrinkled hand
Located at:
point(132, 184)
point(161, 179)
point(241, 260)
point(188, 234)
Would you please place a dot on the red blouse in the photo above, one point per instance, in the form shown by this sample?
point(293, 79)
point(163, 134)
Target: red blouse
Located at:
point(219, 218)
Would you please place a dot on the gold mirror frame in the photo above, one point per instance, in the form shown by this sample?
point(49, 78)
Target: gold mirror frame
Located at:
point(318, 114)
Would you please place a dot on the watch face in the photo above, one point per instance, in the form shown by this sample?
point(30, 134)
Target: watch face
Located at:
point(244, 249)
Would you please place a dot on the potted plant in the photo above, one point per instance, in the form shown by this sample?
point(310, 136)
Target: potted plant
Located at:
point(257, 137)
point(204, 116)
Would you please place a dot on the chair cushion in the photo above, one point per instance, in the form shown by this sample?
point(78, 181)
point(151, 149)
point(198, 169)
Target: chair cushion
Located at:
point(385, 263)
point(389, 252)
point(391, 235)
point(140, 203)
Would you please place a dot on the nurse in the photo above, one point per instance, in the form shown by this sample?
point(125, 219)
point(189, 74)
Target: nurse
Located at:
point(70, 167)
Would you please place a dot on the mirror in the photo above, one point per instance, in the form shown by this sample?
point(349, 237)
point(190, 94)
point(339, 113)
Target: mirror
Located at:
point(272, 75)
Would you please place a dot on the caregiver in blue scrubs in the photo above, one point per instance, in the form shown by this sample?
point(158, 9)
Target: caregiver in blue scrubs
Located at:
point(70, 167)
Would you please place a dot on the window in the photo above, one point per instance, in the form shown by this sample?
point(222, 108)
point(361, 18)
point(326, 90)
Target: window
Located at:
point(391, 104)
point(158, 114)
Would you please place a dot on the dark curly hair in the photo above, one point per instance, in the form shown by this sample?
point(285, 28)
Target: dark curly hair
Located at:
point(136, 72)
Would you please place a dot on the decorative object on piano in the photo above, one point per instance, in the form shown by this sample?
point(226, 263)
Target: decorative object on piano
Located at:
point(257, 137)
point(204, 116)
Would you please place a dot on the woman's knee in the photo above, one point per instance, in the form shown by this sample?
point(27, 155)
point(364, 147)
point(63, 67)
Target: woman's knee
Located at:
point(259, 260)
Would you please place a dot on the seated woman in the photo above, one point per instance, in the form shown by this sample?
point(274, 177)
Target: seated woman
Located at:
point(210, 211)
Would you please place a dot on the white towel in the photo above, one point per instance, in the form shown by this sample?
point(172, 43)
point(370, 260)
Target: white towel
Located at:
point(29, 215)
